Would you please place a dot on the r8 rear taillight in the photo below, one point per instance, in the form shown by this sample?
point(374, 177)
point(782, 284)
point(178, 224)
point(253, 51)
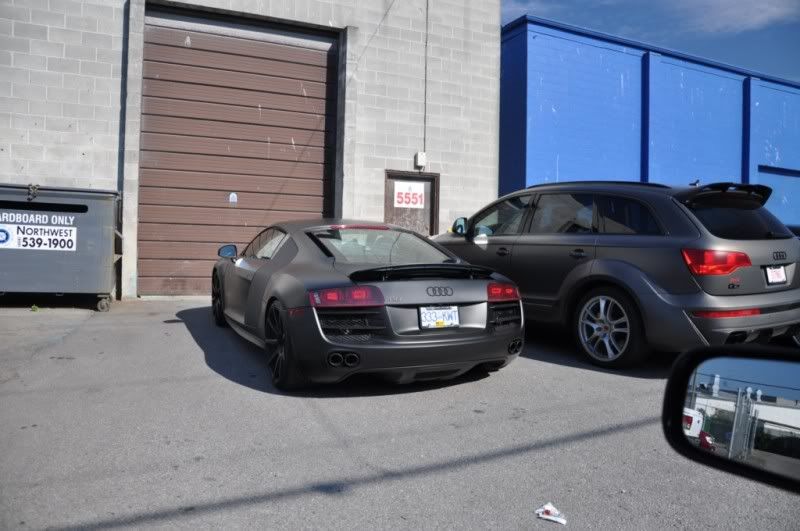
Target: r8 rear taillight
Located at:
point(704, 262)
point(501, 291)
point(347, 297)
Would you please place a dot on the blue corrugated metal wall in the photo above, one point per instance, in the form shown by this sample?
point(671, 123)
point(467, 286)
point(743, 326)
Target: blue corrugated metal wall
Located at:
point(695, 123)
point(512, 110)
point(576, 105)
point(775, 146)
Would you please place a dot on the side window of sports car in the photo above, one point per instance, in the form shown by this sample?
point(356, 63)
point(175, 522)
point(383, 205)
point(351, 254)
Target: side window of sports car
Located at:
point(253, 246)
point(269, 243)
point(503, 218)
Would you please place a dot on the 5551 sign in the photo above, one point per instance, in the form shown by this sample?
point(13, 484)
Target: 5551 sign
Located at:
point(409, 194)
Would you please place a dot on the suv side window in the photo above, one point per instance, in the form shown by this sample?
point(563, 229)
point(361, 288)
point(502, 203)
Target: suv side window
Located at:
point(626, 216)
point(563, 213)
point(503, 218)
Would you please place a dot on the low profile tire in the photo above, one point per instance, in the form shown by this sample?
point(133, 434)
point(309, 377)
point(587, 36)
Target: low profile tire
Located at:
point(286, 375)
point(608, 329)
point(217, 302)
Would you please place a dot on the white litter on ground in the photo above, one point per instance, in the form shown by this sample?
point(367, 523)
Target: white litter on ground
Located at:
point(549, 512)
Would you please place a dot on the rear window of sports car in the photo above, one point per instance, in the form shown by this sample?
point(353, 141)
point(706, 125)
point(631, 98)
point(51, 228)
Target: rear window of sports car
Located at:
point(377, 246)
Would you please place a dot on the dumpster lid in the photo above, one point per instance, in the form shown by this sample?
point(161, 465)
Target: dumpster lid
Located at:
point(39, 189)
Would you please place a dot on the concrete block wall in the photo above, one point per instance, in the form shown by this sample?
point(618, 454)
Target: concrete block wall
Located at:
point(61, 64)
point(60, 92)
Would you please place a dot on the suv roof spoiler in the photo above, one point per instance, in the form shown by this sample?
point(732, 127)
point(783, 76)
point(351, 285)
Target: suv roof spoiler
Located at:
point(736, 191)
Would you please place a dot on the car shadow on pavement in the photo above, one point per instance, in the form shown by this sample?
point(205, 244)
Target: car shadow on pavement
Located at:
point(240, 361)
point(552, 344)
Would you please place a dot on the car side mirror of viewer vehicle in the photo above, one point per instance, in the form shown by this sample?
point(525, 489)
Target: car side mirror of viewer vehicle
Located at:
point(459, 226)
point(227, 251)
point(737, 408)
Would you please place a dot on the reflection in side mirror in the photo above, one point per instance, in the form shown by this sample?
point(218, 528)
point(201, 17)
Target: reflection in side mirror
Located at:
point(227, 251)
point(459, 226)
point(738, 410)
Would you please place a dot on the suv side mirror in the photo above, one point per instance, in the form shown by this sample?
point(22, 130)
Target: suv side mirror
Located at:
point(459, 226)
point(737, 408)
point(227, 251)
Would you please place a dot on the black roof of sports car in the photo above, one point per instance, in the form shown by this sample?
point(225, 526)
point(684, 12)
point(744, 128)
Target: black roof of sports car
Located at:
point(298, 225)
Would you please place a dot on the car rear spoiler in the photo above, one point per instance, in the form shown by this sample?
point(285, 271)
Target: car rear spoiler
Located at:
point(408, 272)
point(718, 192)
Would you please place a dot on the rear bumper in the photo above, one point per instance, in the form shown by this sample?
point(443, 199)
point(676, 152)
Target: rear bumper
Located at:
point(746, 329)
point(671, 325)
point(401, 358)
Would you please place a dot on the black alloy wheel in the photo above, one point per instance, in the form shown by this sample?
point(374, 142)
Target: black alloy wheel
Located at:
point(217, 302)
point(285, 373)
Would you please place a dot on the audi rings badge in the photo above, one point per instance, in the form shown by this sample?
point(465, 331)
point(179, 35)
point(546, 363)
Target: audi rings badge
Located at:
point(439, 291)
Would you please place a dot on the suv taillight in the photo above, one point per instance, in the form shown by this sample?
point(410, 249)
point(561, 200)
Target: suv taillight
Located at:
point(703, 262)
point(348, 297)
point(499, 292)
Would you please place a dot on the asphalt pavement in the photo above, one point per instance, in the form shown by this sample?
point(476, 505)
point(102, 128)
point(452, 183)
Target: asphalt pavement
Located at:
point(150, 416)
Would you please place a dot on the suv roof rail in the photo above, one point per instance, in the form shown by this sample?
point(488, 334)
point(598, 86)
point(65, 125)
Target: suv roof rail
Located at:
point(627, 183)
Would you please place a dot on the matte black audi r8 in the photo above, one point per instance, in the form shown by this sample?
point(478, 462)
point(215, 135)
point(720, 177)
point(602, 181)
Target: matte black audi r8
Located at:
point(331, 298)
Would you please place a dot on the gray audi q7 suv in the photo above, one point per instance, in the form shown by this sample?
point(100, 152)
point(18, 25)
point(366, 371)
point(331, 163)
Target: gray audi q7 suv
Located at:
point(629, 266)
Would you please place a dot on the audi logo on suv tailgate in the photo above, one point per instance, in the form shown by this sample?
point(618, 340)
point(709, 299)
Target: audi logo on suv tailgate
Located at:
point(439, 291)
point(779, 255)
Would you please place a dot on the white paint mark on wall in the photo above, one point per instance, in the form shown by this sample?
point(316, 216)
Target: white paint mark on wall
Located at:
point(293, 146)
point(187, 42)
point(259, 111)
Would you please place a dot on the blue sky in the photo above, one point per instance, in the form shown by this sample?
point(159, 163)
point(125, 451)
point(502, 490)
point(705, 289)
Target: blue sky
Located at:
point(760, 35)
point(767, 372)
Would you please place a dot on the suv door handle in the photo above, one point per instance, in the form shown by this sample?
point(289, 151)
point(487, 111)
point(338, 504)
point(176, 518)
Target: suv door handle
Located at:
point(578, 253)
point(502, 251)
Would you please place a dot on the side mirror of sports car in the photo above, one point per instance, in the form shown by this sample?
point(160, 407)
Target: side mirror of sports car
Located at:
point(737, 408)
point(227, 251)
point(459, 226)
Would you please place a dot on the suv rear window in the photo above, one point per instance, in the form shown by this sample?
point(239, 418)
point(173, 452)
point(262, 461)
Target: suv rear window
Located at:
point(739, 221)
point(626, 216)
point(385, 246)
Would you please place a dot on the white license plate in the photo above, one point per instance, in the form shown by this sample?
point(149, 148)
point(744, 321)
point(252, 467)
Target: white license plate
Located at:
point(438, 316)
point(776, 275)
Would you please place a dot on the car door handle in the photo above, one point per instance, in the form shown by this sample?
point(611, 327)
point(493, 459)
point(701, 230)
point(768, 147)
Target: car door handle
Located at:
point(577, 253)
point(502, 251)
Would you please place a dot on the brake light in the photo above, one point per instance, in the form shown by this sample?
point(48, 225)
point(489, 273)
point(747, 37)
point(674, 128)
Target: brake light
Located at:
point(706, 262)
point(349, 297)
point(726, 314)
point(499, 292)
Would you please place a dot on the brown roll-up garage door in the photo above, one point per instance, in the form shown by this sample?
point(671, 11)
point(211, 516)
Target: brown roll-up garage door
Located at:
point(237, 134)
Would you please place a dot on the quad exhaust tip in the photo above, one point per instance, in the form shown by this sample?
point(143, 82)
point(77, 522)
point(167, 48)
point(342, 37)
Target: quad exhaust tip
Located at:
point(351, 359)
point(335, 359)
